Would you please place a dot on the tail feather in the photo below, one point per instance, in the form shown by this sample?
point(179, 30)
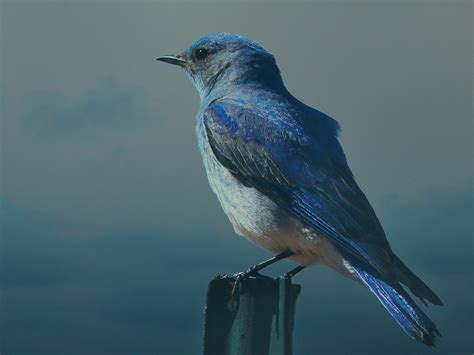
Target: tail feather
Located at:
point(401, 307)
point(416, 285)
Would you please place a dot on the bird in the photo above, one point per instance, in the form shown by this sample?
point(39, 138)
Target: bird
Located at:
point(281, 176)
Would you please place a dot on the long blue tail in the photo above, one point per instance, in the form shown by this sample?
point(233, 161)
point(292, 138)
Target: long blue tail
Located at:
point(401, 307)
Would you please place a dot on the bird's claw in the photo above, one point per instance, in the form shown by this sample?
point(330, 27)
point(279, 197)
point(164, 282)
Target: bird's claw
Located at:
point(238, 278)
point(241, 276)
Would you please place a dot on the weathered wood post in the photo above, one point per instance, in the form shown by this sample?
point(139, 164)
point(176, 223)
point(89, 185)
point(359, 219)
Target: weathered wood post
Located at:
point(257, 320)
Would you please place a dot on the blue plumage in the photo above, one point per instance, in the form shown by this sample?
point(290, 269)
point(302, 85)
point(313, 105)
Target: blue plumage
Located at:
point(401, 307)
point(309, 177)
point(281, 176)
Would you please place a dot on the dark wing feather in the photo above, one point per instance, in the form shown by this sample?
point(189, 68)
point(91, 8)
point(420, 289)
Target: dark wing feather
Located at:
point(298, 163)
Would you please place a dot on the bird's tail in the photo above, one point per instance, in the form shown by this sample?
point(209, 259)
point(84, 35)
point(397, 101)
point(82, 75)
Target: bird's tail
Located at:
point(415, 284)
point(401, 307)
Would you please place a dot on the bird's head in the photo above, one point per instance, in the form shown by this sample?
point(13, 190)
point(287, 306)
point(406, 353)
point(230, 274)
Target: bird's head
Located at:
point(221, 61)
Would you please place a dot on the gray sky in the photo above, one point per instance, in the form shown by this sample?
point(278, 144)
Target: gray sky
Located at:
point(110, 231)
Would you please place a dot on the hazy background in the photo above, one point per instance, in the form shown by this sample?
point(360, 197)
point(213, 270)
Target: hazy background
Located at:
point(110, 232)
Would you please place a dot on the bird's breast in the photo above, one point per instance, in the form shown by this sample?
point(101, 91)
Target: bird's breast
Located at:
point(250, 212)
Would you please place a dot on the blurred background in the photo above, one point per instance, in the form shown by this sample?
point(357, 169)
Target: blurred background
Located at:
point(110, 232)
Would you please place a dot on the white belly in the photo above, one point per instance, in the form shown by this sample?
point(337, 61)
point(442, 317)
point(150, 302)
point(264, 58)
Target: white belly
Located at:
point(249, 211)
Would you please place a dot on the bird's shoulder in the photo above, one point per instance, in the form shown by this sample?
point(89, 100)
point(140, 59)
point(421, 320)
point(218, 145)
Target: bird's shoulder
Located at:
point(301, 140)
point(274, 120)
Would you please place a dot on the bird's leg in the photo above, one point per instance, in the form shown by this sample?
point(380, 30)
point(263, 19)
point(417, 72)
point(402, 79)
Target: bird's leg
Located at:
point(256, 268)
point(293, 272)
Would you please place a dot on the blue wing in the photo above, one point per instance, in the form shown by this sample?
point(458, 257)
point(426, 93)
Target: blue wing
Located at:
point(295, 159)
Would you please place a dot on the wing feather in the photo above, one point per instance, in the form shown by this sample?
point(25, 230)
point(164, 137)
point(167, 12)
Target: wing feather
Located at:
point(304, 171)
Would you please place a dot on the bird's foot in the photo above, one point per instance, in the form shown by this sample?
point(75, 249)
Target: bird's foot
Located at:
point(238, 278)
point(241, 276)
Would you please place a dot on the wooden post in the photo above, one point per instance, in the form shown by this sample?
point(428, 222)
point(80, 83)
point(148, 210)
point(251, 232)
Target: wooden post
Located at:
point(258, 320)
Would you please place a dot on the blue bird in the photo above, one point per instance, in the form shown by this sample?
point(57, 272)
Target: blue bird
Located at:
point(282, 178)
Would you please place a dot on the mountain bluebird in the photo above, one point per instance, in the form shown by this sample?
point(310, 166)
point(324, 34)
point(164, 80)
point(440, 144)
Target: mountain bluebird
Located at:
point(281, 176)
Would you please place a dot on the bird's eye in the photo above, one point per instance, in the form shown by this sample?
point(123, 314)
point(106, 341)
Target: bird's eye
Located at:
point(201, 53)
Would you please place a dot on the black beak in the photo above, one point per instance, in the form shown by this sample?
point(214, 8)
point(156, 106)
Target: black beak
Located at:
point(173, 59)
